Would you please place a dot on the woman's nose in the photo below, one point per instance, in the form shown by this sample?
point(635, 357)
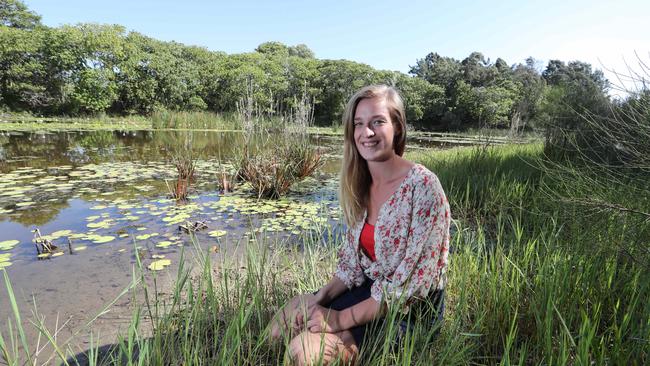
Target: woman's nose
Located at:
point(369, 131)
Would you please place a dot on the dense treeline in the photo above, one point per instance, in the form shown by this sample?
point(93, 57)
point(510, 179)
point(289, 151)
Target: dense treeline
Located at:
point(89, 69)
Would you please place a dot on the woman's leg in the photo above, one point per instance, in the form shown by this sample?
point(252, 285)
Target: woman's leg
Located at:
point(309, 348)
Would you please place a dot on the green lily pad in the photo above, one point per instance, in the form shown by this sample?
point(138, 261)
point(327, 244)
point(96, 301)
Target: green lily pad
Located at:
point(159, 264)
point(60, 233)
point(8, 244)
point(217, 233)
point(164, 244)
point(5, 264)
point(103, 239)
point(145, 236)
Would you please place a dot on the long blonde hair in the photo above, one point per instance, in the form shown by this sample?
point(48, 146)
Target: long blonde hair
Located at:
point(355, 176)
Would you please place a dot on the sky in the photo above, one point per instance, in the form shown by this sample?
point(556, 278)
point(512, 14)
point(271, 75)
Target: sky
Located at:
point(388, 35)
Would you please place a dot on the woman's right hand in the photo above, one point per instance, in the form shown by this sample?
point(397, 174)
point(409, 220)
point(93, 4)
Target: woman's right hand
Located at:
point(302, 305)
point(293, 316)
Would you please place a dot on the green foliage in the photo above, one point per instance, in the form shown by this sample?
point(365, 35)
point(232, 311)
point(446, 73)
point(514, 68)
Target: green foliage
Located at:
point(95, 69)
point(15, 14)
point(94, 92)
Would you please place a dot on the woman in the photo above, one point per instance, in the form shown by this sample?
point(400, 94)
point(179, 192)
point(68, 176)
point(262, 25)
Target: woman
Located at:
point(396, 244)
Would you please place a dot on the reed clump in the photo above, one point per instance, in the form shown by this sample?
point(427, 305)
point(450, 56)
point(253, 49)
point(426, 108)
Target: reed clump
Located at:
point(272, 169)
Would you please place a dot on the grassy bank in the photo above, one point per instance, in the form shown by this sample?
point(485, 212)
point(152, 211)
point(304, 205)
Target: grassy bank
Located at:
point(157, 120)
point(534, 278)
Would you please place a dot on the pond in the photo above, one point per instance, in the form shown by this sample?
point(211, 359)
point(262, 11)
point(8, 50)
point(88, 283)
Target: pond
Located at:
point(102, 196)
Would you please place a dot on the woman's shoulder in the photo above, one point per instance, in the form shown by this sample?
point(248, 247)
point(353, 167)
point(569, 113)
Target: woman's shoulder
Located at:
point(422, 177)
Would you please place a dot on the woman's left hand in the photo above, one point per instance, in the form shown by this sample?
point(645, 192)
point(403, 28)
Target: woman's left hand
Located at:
point(322, 319)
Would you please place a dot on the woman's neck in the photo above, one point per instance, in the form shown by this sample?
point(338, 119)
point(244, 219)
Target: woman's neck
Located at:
point(385, 171)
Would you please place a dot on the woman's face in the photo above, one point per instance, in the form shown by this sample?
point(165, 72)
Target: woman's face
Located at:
point(373, 130)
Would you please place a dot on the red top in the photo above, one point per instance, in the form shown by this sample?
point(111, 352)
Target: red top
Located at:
point(367, 240)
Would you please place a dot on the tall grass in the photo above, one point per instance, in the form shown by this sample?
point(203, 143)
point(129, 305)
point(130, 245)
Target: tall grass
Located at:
point(193, 120)
point(531, 281)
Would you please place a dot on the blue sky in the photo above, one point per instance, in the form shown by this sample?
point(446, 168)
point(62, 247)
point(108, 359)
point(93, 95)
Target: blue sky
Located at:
point(385, 34)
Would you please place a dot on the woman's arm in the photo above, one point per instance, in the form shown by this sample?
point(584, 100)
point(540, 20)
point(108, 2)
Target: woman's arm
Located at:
point(329, 292)
point(322, 319)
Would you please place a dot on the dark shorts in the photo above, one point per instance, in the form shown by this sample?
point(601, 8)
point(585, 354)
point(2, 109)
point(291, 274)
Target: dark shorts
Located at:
point(361, 293)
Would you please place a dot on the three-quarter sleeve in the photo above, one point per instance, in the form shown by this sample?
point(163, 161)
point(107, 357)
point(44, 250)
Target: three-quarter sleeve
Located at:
point(425, 259)
point(348, 268)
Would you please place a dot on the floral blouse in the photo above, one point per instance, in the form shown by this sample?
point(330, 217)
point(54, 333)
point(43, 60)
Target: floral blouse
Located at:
point(411, 243)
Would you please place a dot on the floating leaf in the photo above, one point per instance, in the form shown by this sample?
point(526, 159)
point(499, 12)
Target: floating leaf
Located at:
point(157, 256)
point(43, 255)
point(81, 247)
point(103, 239)
point(164, 244)
point(8, 244)
point(60, 233)
point(5, 264)
point(145, 236)
point(159, 264)
point(217, 233)
point(57, 254)
point(101, 224)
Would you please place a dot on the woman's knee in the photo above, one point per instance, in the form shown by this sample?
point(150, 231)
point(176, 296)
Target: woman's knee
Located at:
point(309, 348)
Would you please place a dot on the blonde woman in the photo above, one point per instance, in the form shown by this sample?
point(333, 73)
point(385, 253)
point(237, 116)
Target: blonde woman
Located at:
point(396, 243)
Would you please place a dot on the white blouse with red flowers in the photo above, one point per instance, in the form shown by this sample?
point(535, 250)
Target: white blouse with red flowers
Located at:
point(411, 243)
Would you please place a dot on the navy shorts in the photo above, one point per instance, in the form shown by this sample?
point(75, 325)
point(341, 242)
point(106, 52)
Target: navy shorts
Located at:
point(358, 294)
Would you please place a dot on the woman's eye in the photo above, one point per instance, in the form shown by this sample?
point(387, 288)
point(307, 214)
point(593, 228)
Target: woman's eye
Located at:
point(378, 122)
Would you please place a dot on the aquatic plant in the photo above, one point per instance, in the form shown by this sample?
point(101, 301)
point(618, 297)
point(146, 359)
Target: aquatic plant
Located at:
point(273, 169)
point(183, 158)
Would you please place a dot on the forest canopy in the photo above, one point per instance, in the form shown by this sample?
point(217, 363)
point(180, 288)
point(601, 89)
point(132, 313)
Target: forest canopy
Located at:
point(89, 69)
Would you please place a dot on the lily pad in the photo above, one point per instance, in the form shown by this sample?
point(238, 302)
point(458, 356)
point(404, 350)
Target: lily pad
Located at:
point(5, 264)
point(217, 233)
point(103, 239)
point(60, 233)
point(8, 244)
point(164, 244)
point(57, 254)
point(159, 264)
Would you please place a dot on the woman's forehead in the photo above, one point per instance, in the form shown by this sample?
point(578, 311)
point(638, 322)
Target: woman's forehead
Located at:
point(371, 108)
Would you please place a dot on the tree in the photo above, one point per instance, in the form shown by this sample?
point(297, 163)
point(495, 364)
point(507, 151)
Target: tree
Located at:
point(273, 48)
point(302, 51)
point(574, 89)
point(337, 81)
point(435, 69)
point(15, 14)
